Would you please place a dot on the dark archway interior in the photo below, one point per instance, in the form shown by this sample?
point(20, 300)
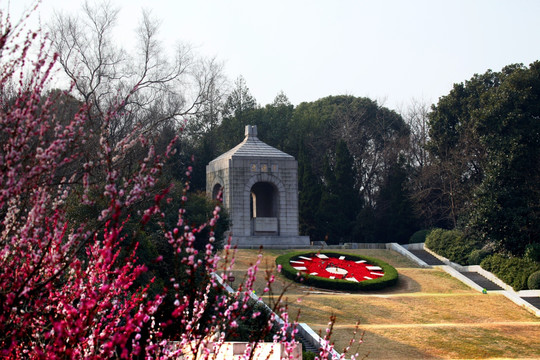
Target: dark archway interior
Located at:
point(264, 200)
point(215, 191)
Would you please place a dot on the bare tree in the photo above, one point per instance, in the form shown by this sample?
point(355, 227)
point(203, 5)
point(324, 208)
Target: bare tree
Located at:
point(441, 184)
point(375, 136)
point(416, 117)
point(211, 111)
point(151, 87)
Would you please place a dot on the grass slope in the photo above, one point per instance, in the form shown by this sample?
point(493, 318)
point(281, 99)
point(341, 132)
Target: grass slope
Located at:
point(427, 315)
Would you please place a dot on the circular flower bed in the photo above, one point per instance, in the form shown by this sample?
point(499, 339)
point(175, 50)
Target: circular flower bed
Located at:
point(337, 271)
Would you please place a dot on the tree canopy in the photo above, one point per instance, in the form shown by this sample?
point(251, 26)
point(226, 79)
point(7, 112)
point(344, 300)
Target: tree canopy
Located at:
point(485, 139)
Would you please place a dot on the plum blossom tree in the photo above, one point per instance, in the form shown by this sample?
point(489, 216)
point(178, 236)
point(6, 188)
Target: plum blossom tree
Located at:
point(62, 292)
point(67, 290)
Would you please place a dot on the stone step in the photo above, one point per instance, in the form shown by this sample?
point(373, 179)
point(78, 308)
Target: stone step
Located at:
point(533, 300)
point(481, 280)
point(306, 345)
point(426, 257)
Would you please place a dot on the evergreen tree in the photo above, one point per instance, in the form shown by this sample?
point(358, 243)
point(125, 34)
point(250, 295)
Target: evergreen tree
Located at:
point(273, 122)
point(340, 201)
point(309, 197)
point(506, 207)
point(328, 213)
point(240, 109)
point(345, 183)
point(394, 215)
point(364, 227)
point(484, 138)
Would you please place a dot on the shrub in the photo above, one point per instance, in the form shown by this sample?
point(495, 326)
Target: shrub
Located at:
point(513, 271)
point(534, 280)
point(476, 256)
point(308, 355)
point(532, 252)
point(419, 236)
point(434, 240)
point(390, 273)
point(452, 244)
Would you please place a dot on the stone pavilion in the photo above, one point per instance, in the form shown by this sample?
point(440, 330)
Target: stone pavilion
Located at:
point(260, 192)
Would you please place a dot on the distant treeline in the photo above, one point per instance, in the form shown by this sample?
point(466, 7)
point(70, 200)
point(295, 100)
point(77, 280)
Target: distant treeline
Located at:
point(369, 174)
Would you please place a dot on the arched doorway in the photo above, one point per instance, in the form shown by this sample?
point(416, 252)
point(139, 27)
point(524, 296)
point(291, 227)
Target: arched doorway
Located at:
point(264, 208)
point(215, 191)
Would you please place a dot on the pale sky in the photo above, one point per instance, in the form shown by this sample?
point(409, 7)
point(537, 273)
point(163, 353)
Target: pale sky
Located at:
point(389, 51)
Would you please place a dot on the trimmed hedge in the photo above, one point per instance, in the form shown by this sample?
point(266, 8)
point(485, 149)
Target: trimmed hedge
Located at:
point(390, 273)
point(534, 281)
point(476, 256)
point(513, 271)
point(419, 236)
point(452, 244)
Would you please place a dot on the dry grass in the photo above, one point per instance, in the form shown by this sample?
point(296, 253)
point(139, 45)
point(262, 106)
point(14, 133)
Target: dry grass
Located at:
point(474, 308)
point(447, 342)
point(427, 315)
